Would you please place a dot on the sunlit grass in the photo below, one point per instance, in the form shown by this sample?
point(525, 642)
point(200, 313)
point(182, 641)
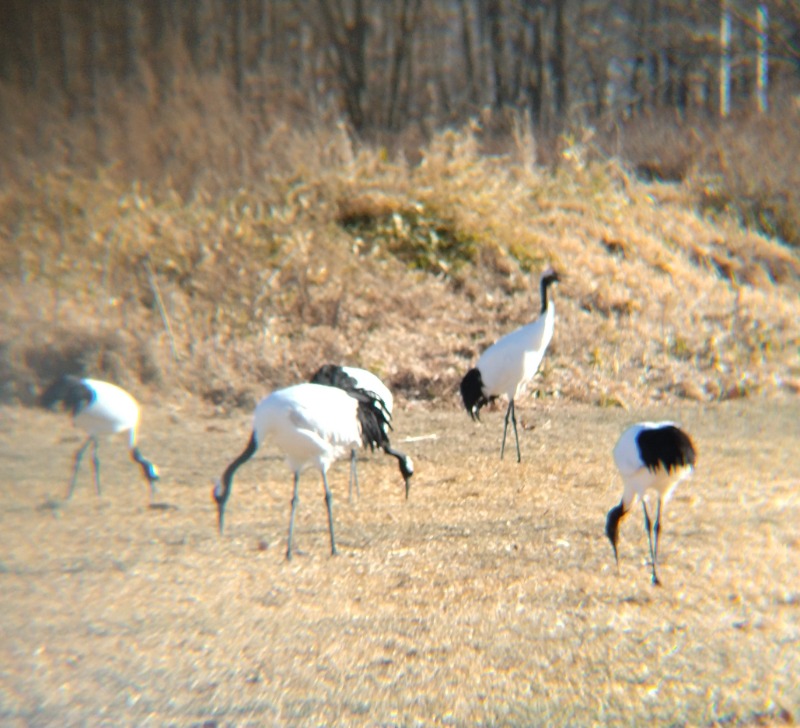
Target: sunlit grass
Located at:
point(328, 248)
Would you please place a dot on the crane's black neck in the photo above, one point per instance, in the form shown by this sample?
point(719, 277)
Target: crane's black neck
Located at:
point(404, 462)
point(72, 391)
point(150, 471)
point(544, 284)
point(612, 525)
point(227, 476)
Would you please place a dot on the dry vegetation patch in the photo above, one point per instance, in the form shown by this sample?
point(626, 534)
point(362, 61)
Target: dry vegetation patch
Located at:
point(490, 597)
point(409, 269)
point(181, 246)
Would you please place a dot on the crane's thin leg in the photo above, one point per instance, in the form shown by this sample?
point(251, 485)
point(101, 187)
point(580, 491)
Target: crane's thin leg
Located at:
point(657, 528)
point(96, 460)
point(329, 504)
point(514, 422)
point(505, 429)
point(78, 458)
point(353, 476)
point(509, 414)
point(648, 527)
point(295, 501)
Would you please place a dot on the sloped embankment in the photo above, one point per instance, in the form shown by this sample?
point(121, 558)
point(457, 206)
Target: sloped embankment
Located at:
point(407, 270)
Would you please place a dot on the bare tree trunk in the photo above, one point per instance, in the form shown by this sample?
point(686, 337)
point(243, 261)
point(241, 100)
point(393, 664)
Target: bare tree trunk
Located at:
point(559, 62)
point(267, 31)
point(63, 57)
point(655, 55)
point(762, 24)
point(127, 38)
point(497, 48)
point(347, 38)
point(405, 29)
point(637, 76)
point(468, 50)
point(18, 63)
point(90, 52)
point(724, 59)
point(237, 47)
point(536, 60)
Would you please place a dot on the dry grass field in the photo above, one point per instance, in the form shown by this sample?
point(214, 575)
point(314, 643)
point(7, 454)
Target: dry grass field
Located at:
point(201, 258)
point(489, 598)
point(407, 270)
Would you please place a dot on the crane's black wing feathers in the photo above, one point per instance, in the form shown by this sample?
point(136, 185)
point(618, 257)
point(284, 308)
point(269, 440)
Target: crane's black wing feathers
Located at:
point(75, 394)
point(333, 376)
point(373, 411)
point(668, 447)
point(372, 419)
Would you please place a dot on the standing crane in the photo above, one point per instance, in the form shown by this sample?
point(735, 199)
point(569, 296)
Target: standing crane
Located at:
point(510, 363)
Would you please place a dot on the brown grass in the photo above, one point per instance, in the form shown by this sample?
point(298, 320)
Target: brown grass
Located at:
point(409, 270)
point(207, 259)
point(489, 598)
point(735, 167)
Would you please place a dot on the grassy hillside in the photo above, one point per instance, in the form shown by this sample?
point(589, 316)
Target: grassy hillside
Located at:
point(490, 596)
point(409, 269)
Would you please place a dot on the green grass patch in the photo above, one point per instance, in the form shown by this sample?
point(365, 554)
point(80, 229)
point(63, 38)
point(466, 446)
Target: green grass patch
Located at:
point(414, 234)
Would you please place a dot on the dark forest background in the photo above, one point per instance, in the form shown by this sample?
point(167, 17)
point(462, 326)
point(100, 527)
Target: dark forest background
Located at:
point(191, 95)
point(392, 65)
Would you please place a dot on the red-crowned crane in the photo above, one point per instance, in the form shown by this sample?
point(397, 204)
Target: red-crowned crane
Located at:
point(510, 363)
point(313, 425)
point(650, 456)
point(350, 378)
point(99, 408)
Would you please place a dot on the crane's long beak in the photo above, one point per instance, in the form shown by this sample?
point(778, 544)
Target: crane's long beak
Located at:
point(221, 515)
point(153, 489)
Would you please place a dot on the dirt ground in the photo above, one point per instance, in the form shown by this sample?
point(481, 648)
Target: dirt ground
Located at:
point(490, 597)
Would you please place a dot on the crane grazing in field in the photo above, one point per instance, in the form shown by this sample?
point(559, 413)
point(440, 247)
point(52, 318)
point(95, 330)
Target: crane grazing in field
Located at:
point(650, 456)
point(511, 362)
point(99, 408)
point(313, 425)
point(349, 379)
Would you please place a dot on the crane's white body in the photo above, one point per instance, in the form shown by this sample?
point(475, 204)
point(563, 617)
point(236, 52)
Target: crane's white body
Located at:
point(111, 410)
point(512, 361)
point(637, 477)
point(311, 424)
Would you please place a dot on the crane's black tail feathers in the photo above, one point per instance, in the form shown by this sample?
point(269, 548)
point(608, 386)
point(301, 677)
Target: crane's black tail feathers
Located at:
point(373, 414)
point(472, 393)
point(333, 376)
point(372, 418)
point(71, 391)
